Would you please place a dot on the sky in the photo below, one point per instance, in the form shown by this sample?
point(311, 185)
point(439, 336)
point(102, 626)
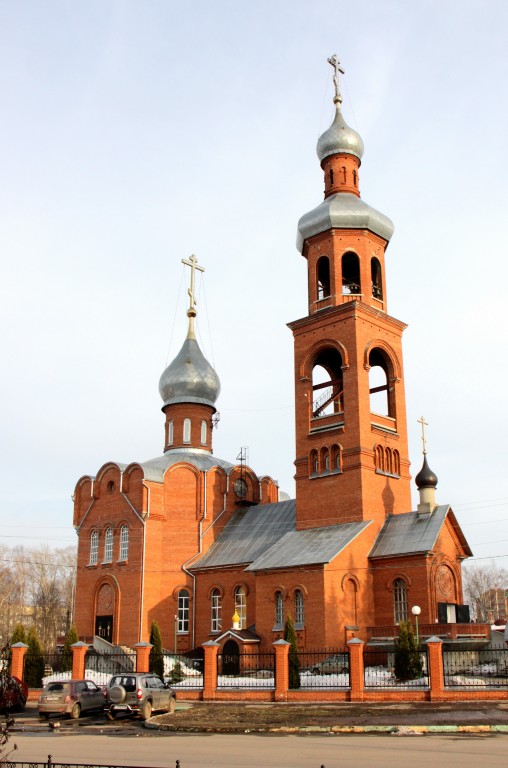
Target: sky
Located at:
point(134, 134)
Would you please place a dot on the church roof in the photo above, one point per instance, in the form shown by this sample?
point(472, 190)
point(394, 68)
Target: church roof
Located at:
point(154, 469)
point(265, 536)
point(413, 533)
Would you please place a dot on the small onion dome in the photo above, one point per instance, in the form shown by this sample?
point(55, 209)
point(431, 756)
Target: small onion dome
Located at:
point(425, 477)
point(189, 378)
point(339, 139)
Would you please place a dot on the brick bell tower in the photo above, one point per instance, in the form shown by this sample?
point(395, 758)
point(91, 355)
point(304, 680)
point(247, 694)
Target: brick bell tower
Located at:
point(351, 436)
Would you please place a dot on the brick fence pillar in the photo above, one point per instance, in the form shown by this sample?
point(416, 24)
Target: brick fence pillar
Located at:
point(436, 672)
point(78, 659)
point(143, 656)
point(211, 649)
point(18, 659)
point(281, 669)
point(356, 669)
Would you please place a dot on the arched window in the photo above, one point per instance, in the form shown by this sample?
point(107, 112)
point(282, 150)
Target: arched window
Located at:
point(299, 609)
point(336, 465)
point(399, 600)
point(327, 387)
point(108, 546)
point(186, 430)
point(241, 606)
point(124, 542)
point(388, 461)
point(323, 277)
point(279, 609)
point(351, 601)
point(355, 178)
point(94, 547)
point(396, 462)
point(377, 281)
point(171, 432)
point(381, 399)
point(313, 463)
point(350, 273)
point(325, 460)
point(331, 176)
point(216, 610)
point(203, 432)
point(183, 611)
point(379, 458)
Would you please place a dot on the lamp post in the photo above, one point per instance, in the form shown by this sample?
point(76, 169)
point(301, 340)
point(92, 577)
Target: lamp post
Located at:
point(416, 610)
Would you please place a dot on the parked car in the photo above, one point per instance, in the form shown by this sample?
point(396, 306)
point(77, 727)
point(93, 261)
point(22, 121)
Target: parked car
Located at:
point(139, 693)
point(335, 664)
point(13, 694)
point(70, 697)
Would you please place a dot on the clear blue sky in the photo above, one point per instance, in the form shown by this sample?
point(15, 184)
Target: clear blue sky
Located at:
point(136, 133)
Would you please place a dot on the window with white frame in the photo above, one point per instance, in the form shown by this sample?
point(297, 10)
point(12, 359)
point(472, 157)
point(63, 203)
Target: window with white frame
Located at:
point(186, 430)
point(124, 542)
point(241, 605)
point(279, 609)
point(216, 610)
point(108, 546)
point(183, 611)
point(299, 608)
point(399, 600)
point(203, 432)
point(171, 432)
point(94, 547)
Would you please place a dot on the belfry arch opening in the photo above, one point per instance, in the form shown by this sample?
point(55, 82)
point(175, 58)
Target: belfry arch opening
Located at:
point(327, 384)
point(350, 273)
point(377, 278)
point(323, 277)
point(381, 394)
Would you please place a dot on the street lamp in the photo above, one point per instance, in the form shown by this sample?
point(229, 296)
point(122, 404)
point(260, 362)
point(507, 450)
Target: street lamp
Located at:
point(416, 610)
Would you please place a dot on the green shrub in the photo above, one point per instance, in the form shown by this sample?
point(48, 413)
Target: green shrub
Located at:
point(294, 661)
point(156, 663)
point(408, 659)
point(72, 637)
point(34, 661)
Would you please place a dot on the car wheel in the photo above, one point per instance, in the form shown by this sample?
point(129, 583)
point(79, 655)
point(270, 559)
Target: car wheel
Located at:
point(171, 705)
point(146, 710)
point(75, 712)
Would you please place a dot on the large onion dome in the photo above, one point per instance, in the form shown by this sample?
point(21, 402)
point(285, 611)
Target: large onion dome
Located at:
point(339, 138)
point(189, 378)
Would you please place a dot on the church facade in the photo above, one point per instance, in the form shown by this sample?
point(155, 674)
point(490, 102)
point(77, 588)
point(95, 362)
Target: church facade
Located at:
point(189, 540)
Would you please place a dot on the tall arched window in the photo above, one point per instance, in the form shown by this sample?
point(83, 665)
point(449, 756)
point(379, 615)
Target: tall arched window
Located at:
point(381, 399)
point(216, 610)
point(186, 430)
point(399, 600)
point(183, 611)
point(241, 606)
point(299, 609)
point(377, 281)
point(350, 273)
point(379, 458)
point(203, 432)
point(325, 460)
point(323, 277)
point(327, 387)
point(313, 463)
point(388, 461)
point(108, 546)
point(171, 432)
point(124, 542)
point(396, 462)
point(94, 547)
point(279, 609)
point(336, 459)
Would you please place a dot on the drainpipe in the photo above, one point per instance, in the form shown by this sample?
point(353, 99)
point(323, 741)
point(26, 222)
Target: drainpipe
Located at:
point(142, 601)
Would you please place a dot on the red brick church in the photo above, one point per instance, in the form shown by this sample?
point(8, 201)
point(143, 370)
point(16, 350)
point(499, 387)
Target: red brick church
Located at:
point(189, 539)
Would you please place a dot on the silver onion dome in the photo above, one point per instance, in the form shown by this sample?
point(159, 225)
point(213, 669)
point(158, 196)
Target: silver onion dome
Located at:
point(189, 378)
point(339, 138)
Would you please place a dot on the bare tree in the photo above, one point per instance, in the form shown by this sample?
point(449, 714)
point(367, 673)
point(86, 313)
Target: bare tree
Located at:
point(485, 589)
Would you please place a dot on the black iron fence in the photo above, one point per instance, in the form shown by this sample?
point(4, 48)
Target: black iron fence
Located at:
point(246, 670)
point(475, 668)
point(183, 670)
point(324, 668)
point(100, 666)
point(379, 670)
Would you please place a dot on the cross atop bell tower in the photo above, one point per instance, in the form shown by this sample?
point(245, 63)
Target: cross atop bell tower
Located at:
point(192, 262)
point(351, 437)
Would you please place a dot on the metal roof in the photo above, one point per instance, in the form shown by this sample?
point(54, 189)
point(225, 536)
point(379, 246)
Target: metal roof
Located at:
point(311, 547)
point(412, 533)
point(250, 532)
point(154, 469)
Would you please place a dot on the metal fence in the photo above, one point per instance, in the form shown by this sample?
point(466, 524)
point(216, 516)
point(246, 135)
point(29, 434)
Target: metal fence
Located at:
point(99, 666)
point(183, 670)
point(324, 668)
point(246, 670)
point(475, 668)
point(379, 670)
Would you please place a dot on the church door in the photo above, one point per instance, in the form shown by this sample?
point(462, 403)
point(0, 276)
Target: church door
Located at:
point(104, 627)
point(231, 658)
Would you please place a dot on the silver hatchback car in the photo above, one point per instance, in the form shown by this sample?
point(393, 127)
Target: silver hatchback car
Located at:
point(70, 697)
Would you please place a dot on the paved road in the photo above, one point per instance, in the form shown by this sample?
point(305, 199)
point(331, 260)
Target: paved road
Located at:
point(252, 751)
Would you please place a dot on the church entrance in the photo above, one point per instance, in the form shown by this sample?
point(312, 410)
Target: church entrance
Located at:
point(231, 658)
point(104, 627)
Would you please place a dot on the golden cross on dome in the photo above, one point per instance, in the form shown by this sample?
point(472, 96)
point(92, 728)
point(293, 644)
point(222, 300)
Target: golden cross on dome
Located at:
point(333, 60)
point(424, 424)
point(192, 262)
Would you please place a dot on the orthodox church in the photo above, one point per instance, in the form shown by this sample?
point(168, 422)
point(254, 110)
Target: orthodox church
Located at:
point(189, 539)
